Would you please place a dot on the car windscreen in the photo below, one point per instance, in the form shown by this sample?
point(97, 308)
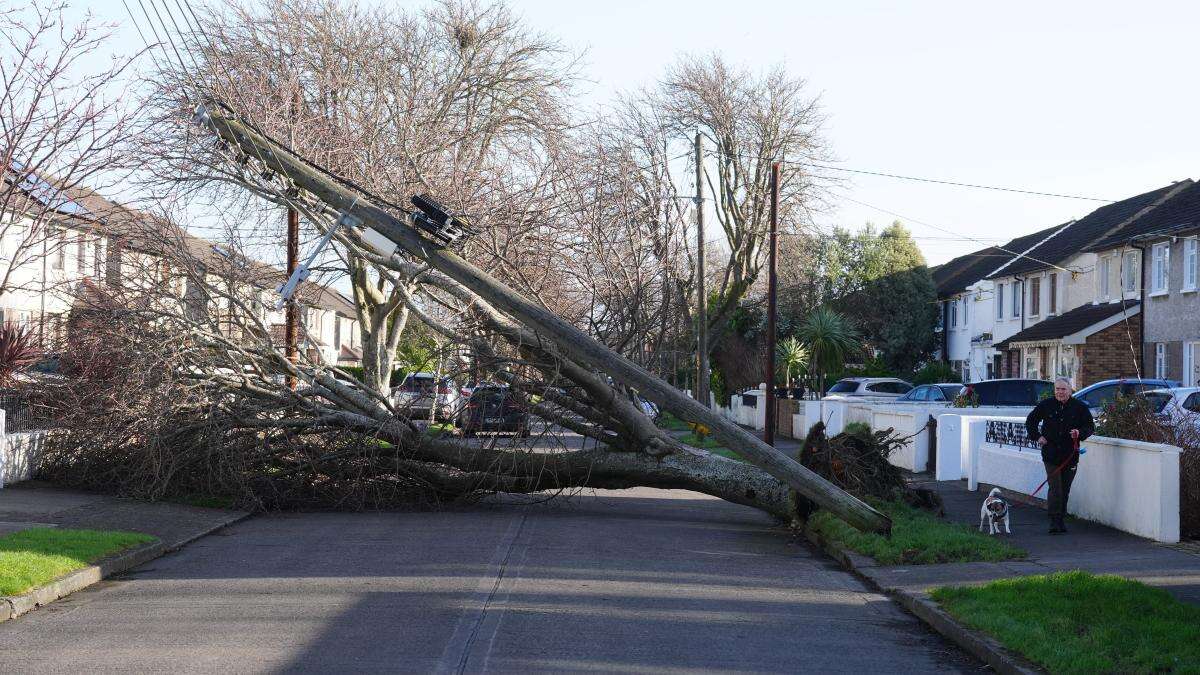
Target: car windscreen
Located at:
point(844, 387)
point(951, 392)
point(1157, 400)
point(422, 385)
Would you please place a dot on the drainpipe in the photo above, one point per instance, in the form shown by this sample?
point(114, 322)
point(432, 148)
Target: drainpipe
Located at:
point(1142, 300)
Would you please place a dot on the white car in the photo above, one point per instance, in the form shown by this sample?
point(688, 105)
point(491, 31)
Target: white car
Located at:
point(423, 391)
point(876, 387)
point(1176, 406)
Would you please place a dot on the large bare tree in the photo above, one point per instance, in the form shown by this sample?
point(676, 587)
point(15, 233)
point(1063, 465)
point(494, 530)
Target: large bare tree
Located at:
point(61, 125)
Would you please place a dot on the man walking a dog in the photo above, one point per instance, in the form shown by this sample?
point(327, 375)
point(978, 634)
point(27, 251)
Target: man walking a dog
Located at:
point(1059, 424)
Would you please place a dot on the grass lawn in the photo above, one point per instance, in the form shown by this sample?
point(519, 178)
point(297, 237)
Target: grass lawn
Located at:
point(918, 538)
point(671, 423)
point(31, 558)
point(1076, 622)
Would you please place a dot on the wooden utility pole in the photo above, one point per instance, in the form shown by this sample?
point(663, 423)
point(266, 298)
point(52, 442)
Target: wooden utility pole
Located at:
point(702, 376)
point(769, 432)
point(291, 318)
point(575, 345)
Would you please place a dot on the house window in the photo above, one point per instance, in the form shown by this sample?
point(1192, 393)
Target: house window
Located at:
point(1016, 299)
point(1054, 293)
point(1191, 264)
point(97, 260)
point(999, 301)
point(954, 313)
point(1160, 267)
point(1130, 272)
point(1104, 274)
point(1035, 296)
point(80, 253)
point(1160, 360)
point(965, 321)
point(58, 256)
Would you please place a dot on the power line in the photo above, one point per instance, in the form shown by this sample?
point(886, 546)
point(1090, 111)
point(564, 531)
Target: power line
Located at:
point(919, 179)
point(1016, 254)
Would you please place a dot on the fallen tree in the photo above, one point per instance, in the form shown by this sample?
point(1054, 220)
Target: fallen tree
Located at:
point(636, 451)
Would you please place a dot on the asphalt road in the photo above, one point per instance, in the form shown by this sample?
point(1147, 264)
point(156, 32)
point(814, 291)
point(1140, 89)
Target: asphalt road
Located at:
point(644, 580)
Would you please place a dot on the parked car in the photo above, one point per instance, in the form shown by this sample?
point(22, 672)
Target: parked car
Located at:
point(1012, 392)
point(422, 391)
point(932, 393)
point(1096, 395)
point(881, 387)
point(1175, 406)
point(494, 408)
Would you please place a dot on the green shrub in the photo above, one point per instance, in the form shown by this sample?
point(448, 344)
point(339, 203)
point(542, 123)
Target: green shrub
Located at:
point(936, 373)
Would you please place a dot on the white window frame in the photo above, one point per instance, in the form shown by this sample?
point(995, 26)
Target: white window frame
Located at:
point(1000, 301)
point(1191, 263)
point(1016, 298)
point(1129, 272)
point(1160, 360)
point(954, 313)
point(1160, 269)
point(966, 315)
point(1191, 364)
point(1035, 296)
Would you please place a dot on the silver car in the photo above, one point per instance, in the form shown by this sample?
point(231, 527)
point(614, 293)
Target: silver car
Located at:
point(876, 387)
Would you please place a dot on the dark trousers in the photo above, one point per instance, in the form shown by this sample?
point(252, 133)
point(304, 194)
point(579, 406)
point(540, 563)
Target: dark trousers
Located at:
point(1058, 490)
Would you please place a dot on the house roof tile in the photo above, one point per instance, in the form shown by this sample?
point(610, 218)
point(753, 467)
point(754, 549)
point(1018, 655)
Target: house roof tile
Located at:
point(1085, 232)
point(1180, 212)
point(1068, 323)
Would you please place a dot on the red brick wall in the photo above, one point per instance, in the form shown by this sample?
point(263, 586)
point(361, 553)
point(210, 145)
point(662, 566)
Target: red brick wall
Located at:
point(1107, 355)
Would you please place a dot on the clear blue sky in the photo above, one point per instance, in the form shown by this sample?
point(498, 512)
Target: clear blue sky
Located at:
point(1088, 98)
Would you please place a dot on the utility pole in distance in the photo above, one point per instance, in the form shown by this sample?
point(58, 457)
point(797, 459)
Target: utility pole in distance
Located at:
point(290, 316)
point(701, 290)
point(291, 320)
point(769, 432)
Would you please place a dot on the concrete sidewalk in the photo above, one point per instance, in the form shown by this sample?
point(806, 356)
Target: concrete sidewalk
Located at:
point(34, 504)
point(1087, 546)
point(38, 504)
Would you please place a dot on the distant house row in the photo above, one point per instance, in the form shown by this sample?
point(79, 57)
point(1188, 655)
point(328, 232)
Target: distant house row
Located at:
point(1113, 294)
point(60, 245)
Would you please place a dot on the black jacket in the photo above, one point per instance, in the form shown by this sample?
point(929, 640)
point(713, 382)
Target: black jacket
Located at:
point(1056, 421)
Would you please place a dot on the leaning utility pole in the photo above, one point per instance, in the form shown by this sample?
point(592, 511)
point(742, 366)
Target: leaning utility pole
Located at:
point(769, 432)
point(390, 234)
point(702, 376)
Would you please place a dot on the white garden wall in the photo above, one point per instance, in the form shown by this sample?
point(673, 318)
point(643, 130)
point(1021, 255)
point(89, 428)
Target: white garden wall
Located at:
point(19, 455)
point(1129, 485)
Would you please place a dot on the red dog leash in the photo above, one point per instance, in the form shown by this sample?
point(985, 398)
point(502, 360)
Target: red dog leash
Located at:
point(1054, 473)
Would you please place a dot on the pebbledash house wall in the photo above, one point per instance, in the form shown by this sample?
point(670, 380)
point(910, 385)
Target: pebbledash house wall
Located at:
point(1172, 318)
point(1106, 355)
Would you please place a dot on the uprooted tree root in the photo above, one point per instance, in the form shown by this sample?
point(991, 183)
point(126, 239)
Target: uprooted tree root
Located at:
point(856, 460)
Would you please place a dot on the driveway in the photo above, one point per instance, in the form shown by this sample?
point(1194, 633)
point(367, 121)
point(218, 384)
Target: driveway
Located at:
point(629, 581)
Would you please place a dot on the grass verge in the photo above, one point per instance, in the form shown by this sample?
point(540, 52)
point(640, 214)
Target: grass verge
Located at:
point(1076, 622)
point(918, 538)
point(35, 557)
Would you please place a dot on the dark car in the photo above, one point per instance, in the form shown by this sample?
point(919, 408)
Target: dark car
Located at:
point(931, 393)
point(1012, 392)
point(1096, 395)
point(494, 408)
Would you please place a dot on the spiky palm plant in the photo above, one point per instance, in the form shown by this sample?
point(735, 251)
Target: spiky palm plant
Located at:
point(793, 356)
point(829, 337)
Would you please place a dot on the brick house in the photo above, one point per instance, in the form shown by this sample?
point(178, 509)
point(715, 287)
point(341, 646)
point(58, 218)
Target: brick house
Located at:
point(1156, 260)
point(1067, 285)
